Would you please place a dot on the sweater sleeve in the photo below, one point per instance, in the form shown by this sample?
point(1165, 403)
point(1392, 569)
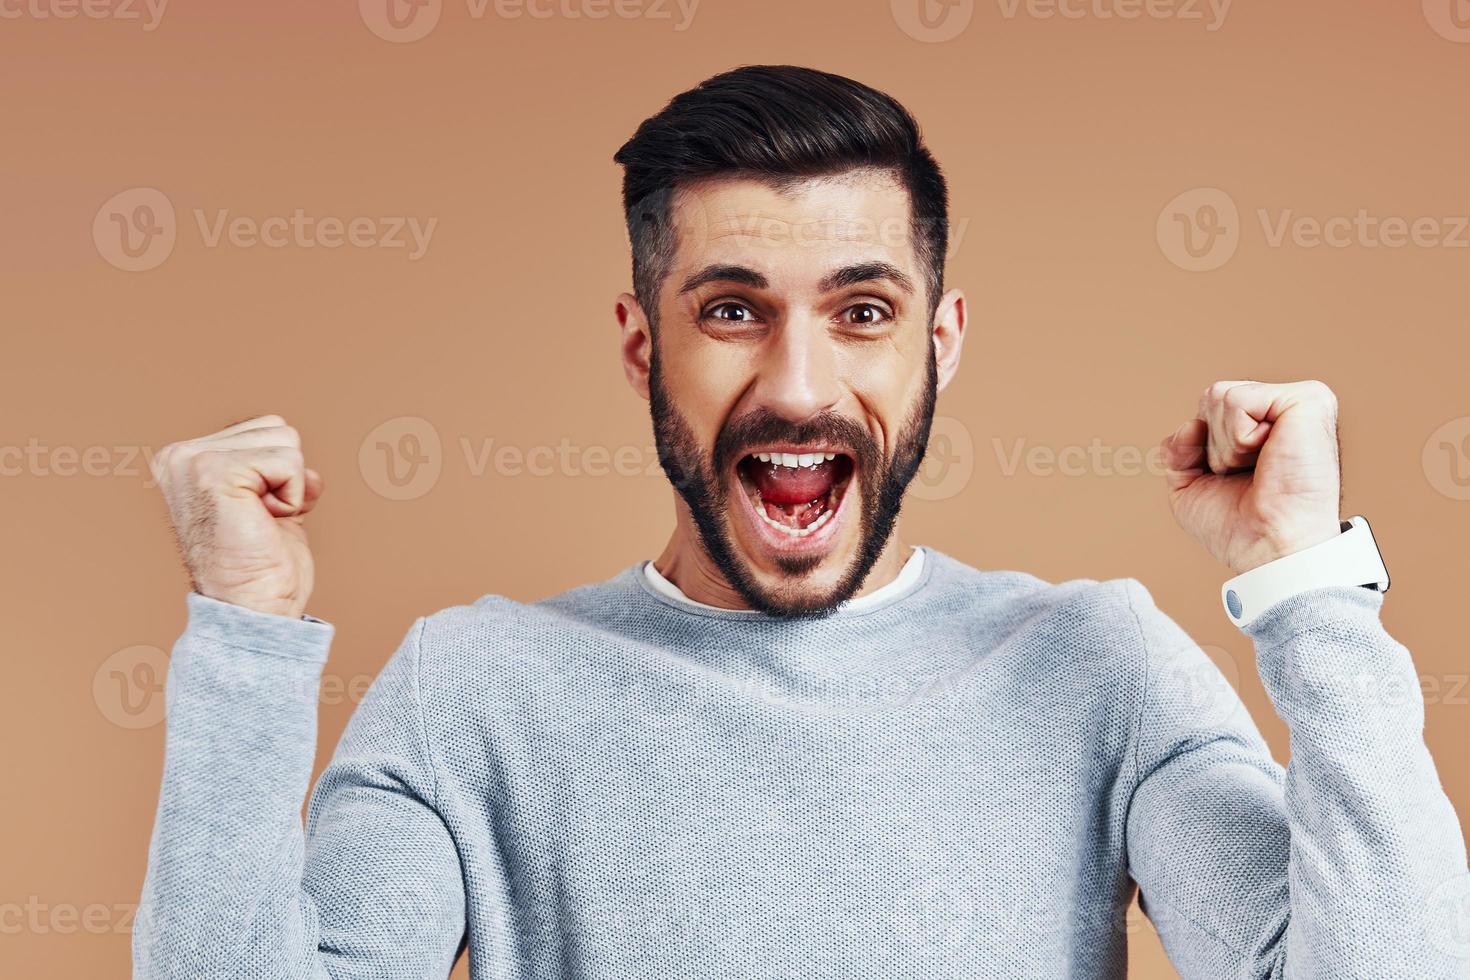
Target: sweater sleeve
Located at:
point(236, 887)
point(1350, 862)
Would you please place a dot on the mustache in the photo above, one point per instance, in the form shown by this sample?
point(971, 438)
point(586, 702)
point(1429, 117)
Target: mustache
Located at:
point(762, 427)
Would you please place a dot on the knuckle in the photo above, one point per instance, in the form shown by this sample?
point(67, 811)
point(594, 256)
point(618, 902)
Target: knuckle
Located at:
point(1322, 391)
point(179, 456)
point(202, 465)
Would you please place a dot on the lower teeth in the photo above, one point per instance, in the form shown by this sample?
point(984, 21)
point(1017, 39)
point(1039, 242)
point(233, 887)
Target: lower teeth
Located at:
point(796, 532)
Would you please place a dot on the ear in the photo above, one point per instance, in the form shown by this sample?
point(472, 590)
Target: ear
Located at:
point(637, 343)
point(949, 334)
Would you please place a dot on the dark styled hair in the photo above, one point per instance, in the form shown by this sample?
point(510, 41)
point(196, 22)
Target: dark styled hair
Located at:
point(778, 123)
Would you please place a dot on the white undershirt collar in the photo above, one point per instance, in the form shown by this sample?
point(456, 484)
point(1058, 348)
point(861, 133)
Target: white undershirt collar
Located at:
point(906, 577)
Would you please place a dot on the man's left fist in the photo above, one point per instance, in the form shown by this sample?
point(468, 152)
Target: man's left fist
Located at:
point(1255, 475)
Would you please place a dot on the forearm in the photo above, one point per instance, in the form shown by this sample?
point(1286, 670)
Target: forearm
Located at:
point(223, 888)
point(234, 887)
point(1372, 832)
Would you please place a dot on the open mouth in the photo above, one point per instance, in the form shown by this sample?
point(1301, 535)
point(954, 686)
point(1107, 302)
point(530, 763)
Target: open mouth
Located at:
point(796, 493)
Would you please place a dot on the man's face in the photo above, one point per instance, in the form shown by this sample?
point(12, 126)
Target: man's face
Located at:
point(793, 379)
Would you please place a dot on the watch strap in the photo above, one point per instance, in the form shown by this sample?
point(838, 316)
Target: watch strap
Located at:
point(1352, 559)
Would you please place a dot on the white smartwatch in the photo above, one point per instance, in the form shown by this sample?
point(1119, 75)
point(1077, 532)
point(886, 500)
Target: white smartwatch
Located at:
point(1352, 558)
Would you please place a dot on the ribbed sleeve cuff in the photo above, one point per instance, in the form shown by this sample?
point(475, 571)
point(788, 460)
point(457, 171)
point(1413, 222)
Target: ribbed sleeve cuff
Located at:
point(1328, 606)
point(307, 638)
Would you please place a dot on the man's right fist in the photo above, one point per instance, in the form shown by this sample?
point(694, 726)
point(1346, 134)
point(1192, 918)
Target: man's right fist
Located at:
point(237, 499)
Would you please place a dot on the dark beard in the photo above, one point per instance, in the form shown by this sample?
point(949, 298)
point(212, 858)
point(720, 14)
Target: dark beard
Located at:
point(882, 484)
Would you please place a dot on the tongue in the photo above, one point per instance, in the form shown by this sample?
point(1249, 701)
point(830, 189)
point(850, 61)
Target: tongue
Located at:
point(792, 485)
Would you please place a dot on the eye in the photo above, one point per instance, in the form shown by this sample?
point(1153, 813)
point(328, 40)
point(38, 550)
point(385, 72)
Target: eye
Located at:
point(729, 312)
point(865, 315)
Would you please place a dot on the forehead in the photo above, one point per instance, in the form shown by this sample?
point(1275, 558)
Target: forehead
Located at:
point(796, 232)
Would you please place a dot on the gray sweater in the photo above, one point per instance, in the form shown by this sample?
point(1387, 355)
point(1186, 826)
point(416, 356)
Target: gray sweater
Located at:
point(968, 779)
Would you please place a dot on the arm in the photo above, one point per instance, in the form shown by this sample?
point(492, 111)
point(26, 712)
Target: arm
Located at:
point(1329, 869)
point(1343, 865)
point(234, 887)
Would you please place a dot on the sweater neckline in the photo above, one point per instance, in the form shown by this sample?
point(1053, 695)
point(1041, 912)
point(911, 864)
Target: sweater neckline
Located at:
point(926, 556)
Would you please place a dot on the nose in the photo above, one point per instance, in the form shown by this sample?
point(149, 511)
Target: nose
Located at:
point(798, 375)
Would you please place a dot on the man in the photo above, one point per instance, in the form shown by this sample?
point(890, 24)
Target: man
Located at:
point(792, 745)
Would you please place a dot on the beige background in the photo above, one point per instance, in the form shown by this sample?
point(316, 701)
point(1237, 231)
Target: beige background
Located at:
point(1065, 141)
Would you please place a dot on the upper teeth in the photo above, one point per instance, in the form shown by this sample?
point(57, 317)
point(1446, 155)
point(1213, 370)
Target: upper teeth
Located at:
point(795, 459)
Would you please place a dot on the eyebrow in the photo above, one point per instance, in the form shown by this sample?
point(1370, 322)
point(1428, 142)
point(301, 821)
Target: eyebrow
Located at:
point(725, 273)
point(850, 275)
point(853, 275)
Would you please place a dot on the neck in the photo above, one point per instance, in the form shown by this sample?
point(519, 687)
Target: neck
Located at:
point(685, 562)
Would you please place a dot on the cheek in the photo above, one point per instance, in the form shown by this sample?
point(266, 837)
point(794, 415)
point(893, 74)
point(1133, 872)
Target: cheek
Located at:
point(704, 382)
point(886, 382)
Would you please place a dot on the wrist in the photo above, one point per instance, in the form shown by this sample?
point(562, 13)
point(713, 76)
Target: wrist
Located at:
point(286, 608)
point(1278, 546)
point(1347, 558)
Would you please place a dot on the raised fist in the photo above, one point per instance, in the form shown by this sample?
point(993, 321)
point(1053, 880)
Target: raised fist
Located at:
point(237, 499)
